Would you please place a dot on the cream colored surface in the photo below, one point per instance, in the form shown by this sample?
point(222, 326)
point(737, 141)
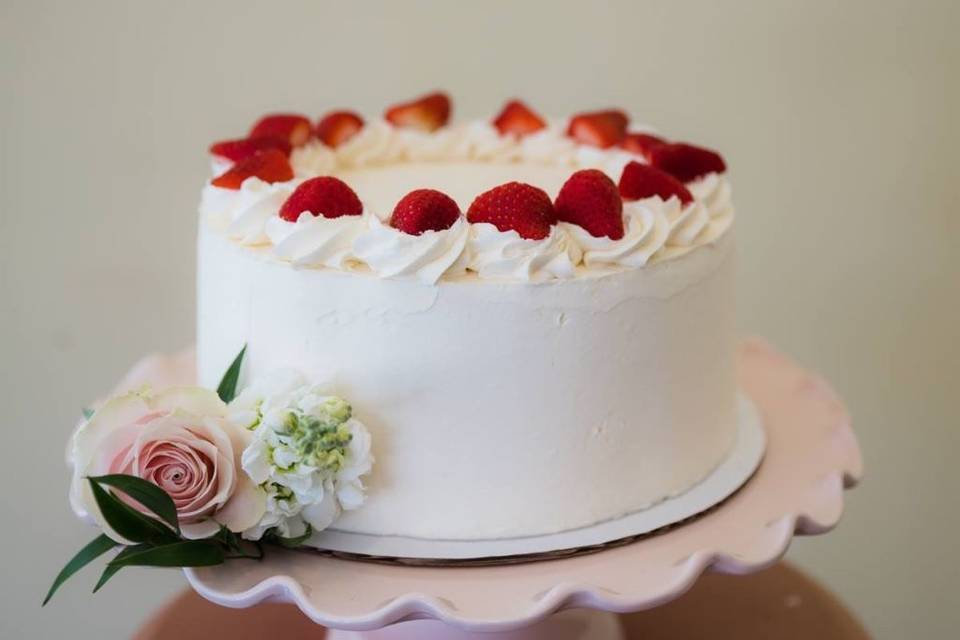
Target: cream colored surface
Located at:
point(382, 187)
point(839, 121)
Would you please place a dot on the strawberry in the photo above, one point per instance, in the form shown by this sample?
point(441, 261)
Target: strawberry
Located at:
point(686, 162)
point(641, 143)
point(515, 205)
point(337, 127)
point(599, 128)
point(590, 199)
point(518, 119)
point(426, 113)
point(424, 210)
point(322, 196)
point(640, 181)
point(270, 165)
point(243, 148)
point(292, 127)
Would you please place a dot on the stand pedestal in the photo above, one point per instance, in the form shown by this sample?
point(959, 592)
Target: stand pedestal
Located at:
point(573, 624)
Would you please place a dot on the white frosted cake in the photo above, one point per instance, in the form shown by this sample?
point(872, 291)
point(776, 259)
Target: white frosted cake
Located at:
point(534, 318)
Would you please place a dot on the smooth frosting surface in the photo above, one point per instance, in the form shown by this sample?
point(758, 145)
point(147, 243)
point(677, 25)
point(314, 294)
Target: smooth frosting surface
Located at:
point(496, 410)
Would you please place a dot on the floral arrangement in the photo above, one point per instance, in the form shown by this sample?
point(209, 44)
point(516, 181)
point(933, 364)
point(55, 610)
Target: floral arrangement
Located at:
point(188, 477)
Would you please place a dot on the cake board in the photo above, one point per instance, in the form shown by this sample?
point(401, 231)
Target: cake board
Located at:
point(811, 457)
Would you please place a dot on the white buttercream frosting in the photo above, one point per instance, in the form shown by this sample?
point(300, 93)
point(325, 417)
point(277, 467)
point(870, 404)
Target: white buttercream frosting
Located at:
point(549, 145)
point(646, 230)
point(506, 255)
point(446, 143)
point(483, 142)
point(243, 213)
point(392, 253)
point(378, 142)
point(316, 240)
point(687, 222)
point(313, 159)
point(716, 194)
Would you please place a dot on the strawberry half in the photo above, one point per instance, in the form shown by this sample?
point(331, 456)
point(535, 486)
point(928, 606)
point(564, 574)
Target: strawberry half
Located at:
point(243, 148)
point(424, 210)
point(599, 128)
point(270, 165)
point(292, 127)
point(518, 119)
point(337, 127)
point(590, 199)
point(686, 162)
point(641, 143)
point(640, 181)
point(515, 205)
point(323, 196)
point(426, 113)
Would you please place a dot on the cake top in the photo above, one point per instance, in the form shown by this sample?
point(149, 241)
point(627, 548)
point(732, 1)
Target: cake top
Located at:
point(519, 197)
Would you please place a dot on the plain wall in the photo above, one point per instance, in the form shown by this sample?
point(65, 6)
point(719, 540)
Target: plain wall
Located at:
point(838, 120)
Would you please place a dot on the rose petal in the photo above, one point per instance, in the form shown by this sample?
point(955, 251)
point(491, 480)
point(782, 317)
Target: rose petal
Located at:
point(245, 507)
point(198, 530)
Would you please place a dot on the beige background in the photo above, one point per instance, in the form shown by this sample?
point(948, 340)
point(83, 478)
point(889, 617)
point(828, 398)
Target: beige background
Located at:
point(839, 121)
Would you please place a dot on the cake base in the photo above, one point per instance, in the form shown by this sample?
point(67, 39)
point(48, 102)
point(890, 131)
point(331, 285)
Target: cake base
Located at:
point(739, 464)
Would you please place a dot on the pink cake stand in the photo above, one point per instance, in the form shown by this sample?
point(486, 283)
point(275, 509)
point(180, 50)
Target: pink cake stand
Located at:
point(811, 457)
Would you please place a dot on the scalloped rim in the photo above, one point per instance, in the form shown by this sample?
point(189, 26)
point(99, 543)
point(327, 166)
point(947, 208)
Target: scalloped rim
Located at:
point(770, 509)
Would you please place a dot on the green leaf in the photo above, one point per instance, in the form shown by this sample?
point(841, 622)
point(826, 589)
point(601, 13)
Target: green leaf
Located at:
point(227, 389)
point(127, 521)
point(290, 543)
point(146, 493)
point(88, 413)
point(111, 569)
point(228, 539)
point(93, 550)
point(186, 553)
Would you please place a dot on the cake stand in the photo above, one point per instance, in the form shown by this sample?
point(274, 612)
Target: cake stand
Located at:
point(811, 457)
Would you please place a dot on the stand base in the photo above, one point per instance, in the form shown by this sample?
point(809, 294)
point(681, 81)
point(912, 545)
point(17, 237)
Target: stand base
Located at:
point(572, 624)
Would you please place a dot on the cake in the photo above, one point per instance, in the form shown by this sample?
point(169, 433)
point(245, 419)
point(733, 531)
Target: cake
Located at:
point(533, 317)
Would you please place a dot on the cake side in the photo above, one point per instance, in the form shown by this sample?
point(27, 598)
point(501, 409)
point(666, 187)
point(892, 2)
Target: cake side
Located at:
point(496, 410)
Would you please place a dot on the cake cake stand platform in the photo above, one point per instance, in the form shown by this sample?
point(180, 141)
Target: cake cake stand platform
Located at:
point(811, 457)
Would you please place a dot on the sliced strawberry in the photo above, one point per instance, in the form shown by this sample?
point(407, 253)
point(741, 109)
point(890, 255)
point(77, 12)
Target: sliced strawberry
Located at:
point(270, 165)
point(292, 127)
point(337, 127)
point(590, 199)
point(518, 119)
point(515, 205)
point(640, 181)
point(686, 162)
point(323, 196)
point(641, 143)
point(426, 113)
point(243, 148)
point(424, 210)
point(599, 128)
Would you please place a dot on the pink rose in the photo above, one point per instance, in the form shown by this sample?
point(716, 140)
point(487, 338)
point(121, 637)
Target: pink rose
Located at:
point(180, 440)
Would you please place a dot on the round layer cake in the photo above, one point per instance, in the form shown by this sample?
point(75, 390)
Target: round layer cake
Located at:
point(533, 317)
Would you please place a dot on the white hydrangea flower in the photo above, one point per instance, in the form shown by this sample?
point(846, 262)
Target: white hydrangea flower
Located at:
point(308, 453)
